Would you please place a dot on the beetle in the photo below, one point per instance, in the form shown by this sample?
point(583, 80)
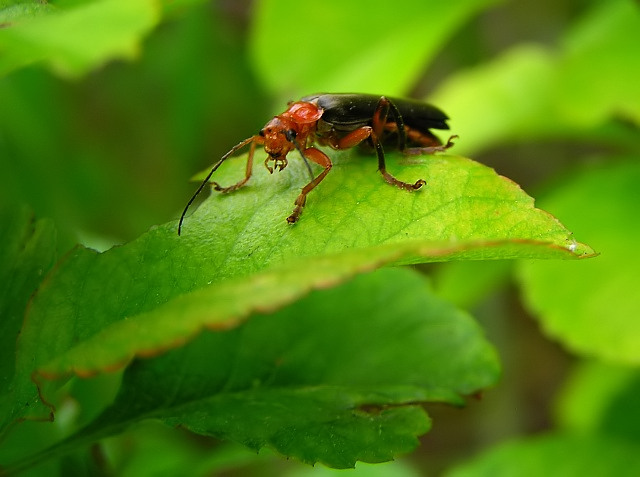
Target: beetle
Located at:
point(340, 121)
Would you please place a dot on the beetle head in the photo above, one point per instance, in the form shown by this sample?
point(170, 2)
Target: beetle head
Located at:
point(279, 137)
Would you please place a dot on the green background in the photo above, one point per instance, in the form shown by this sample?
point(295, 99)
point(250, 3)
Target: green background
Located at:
point(109, 107)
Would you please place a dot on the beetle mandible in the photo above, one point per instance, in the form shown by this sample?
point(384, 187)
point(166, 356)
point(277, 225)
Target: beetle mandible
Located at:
point(339, 121)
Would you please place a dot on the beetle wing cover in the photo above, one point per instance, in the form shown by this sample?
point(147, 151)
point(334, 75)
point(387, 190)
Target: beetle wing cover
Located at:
point(352, 110)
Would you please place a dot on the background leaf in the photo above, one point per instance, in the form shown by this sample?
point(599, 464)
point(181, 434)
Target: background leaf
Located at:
point(581, 313)
point(556, 455)
point(29, 250)
point(358, 50)
point(608, 32)
point(73, 41)
point(110, 156)
point(532, 91)
point(600, 398)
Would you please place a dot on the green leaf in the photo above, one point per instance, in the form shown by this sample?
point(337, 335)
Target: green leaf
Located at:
point(12, 11)
point(74, 40)
point(463, 202)
point(467, 283)
point(601, 398)
point(512, 98)
point(79, 172)
point(397, 468)
point(556, 455)
point(350, 47)
point(533, 92)
point(237, 256)
point(335, 378)
point(29, 250)
point(591, 306)
point(609, 32)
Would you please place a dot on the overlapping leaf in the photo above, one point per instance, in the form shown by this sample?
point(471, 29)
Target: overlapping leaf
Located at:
point(337, 377)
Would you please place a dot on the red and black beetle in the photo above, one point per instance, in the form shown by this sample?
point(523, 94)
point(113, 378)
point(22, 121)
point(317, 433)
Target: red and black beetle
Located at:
point(340, 121)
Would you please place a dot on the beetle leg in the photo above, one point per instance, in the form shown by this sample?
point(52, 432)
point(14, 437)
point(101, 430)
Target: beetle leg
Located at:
point(247, 173)
point(322, 159)
point(380, 121)
point(388, 177)
point(355, 137)
point(428, 142)
point(431, 149)
point(253, 140)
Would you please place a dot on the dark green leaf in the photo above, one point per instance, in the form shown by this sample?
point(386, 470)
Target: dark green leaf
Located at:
point(336, 377)
point(28, 251)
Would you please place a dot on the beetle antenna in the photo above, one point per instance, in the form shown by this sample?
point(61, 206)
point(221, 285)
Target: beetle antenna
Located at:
point(206, 180)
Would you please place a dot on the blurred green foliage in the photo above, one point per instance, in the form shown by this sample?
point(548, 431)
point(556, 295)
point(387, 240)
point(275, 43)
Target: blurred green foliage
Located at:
point(108, 107)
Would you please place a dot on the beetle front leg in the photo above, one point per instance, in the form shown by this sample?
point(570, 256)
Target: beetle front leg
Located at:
point(323, 160)
point(247, 173)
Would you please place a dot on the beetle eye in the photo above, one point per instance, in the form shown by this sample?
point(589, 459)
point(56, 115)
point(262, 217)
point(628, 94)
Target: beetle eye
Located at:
point(290, 134)
point(261, 132)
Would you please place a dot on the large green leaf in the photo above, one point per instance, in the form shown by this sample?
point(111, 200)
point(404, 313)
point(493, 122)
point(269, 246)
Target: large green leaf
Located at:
point(336, 377)
point(591, 307)
point(237, 255)
point(74, 40)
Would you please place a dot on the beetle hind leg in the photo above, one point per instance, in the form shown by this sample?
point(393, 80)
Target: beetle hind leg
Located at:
point(429, 144)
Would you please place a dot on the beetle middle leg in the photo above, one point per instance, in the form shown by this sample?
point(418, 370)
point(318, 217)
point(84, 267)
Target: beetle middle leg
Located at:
point(355, 137)
point(322, 159)
point(385, 108)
